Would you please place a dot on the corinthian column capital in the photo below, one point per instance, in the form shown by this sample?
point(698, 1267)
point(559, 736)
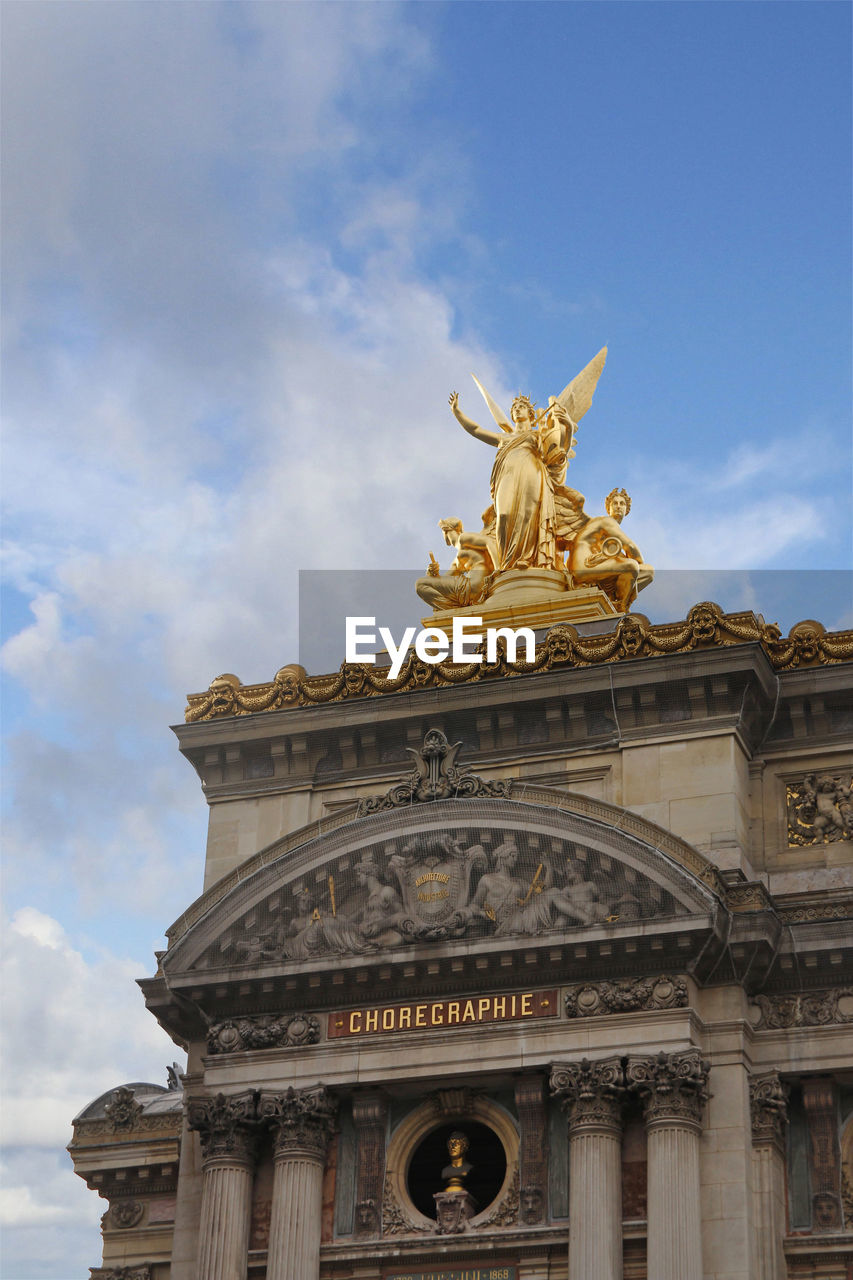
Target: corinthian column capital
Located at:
point(673, 1086)
point(302, 1121)
point(591, 1092)
point(226, 1124)
point(768, 1106)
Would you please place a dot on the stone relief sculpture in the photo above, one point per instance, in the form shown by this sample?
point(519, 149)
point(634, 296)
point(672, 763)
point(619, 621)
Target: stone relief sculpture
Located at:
point(820, 809)
point(442, 885)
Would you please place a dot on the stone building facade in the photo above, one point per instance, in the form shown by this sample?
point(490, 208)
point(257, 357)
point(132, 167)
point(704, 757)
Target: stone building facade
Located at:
point(593, 913)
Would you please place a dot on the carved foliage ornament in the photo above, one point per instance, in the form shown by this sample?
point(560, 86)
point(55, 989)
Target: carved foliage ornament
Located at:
point(768, 1104)
point(673, 1086)
point(627, 995)
point(141, 1271)
point(263, 1032)
point(820, 808)
point(706, 626)
point(302, 1120)
point(434, 777)
point(810, 1009)
point(122, 1111)
point(227, 1125)
point(591, 1092)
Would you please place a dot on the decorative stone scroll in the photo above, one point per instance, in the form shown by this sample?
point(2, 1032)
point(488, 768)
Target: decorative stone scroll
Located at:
point(673, 1086)
point(227, 1125)
point(301, 1119)
point(706, 627)
point(768, 1104)
point(805, 1009)
point(122, 1111)
point(434, 777)
point(395, 1221)
point(628, 995)
point(263, 1032)
point(820, 808)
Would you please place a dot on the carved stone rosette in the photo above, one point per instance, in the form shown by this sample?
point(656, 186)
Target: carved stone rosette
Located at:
point(227, 1125)
point(591, 1092)
point(302, 1121)
point(673, 1086)
point(768, 1105)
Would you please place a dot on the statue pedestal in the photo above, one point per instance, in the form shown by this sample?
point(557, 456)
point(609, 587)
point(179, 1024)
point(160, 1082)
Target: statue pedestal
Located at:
point(454, 1209)
point(537, 598)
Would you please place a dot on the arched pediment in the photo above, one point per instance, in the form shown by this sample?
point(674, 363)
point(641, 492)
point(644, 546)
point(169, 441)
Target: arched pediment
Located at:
point(541, 865)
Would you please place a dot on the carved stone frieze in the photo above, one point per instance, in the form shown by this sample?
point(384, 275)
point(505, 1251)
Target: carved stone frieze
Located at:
point(627, 995)
point(122, 1111)
point(125, 1213)
point(748, 897)
point(705, 627)
point(820, 808)
point(263, 1032)
point(805, 1009)
point(302, 1120)
point(591, 1092)
point(139, 1271)
point(768, 1104)
point(673, 1086)
point(434, 777)
point(227, 1125)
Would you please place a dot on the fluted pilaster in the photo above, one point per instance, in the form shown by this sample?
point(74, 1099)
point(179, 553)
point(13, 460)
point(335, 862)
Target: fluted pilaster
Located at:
point(768, 1110)
point(592, 1095)
point(302, 1122)
point(227, 1127)
point(673, 1087)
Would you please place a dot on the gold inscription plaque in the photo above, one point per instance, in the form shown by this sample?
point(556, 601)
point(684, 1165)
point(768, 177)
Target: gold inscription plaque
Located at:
point(432, 1015)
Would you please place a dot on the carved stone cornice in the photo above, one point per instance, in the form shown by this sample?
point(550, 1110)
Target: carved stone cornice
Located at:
point(627, 995)
point(227, 1125)
point(434, 777)
point(768, 1105)
point(673, 1086)
point(302, 1121)
point(706, 627)
point(591, 1092)
point(803, 1009)
point(122, 1111)
point(263, 1032)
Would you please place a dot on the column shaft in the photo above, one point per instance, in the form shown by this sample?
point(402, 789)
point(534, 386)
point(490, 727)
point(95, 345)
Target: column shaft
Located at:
point(595, 1204)
point(675, 1224)
point(294, 1248)
point(226, 1200)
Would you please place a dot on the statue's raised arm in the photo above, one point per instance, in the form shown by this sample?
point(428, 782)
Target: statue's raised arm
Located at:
point(473, 429)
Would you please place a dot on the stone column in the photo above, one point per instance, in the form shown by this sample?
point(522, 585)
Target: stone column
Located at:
point(370, 1115)
point(228, 1129)
point(302, 1122)
point(673, 1089)
point(592, 1095)
point(768, 1106)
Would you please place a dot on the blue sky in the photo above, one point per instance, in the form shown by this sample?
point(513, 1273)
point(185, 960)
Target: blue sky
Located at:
point(249, 250)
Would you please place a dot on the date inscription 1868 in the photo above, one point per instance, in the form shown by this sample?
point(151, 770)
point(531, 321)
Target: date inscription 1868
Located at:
point(466, 1273)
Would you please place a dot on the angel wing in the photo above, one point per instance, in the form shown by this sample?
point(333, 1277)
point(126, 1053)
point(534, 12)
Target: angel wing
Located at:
point(494, 408)
point(577, 396)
